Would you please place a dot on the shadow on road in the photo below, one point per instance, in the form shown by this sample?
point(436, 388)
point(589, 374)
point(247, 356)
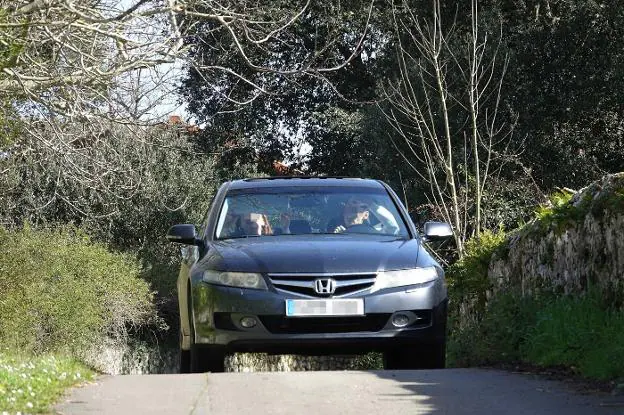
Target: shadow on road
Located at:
point(478, 391)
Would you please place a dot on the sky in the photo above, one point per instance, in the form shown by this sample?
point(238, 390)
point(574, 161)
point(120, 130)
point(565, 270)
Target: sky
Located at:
point(158, 87)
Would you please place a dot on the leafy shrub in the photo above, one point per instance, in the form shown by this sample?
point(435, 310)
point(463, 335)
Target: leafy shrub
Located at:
point(563, 330)
point(560, 214)
point(369, 361)
point(497, 335)
point(580, 333)
point(467, 278)
point(468, 285)
point(62, 292)
point(603, 358)
point(123, 185)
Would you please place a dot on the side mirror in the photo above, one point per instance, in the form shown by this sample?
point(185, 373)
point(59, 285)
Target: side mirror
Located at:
point(183, 234)
point(436, 231)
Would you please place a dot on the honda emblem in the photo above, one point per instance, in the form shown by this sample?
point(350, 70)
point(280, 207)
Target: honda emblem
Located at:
point(325, 286)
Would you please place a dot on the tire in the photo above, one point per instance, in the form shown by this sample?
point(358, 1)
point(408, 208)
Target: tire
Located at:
point(203, 358)
point(438, 356)
point(401, 358)
point(430, 356)
point(185, 358)
point(435, 356)
point(207, 359)
point(185, 361)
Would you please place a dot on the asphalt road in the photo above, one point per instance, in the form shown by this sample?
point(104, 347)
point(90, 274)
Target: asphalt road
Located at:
point(451, 391)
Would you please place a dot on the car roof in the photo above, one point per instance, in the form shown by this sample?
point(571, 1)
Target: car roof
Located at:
point(304, 181)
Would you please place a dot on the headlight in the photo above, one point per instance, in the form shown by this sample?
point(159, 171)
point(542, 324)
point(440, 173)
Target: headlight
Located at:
point(236, 279)
point(389, 279)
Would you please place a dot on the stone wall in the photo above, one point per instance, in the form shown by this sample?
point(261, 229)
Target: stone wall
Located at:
point(578, 244)
point(254, 362)
point(139, 357)
point(133, 357)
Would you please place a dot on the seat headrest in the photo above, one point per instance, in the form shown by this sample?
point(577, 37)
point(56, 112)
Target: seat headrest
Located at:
point(300, 226)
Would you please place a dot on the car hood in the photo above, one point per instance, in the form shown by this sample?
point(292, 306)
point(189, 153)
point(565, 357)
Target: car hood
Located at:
point(313, 254)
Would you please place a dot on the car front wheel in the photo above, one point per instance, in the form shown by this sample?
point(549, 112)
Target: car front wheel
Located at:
point(430, 356)
point(185, 358)
point(203, 358)
point(207, 359)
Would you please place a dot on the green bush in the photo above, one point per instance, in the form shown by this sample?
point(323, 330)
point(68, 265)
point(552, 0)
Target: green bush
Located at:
point(125, 188)
point(580, 333)
point(61, 292)
point(584, 332)
point(560, 214)
point(468, 278)
point(497, 335)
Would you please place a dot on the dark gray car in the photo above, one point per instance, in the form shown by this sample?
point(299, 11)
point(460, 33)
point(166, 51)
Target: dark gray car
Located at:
point(310, 266)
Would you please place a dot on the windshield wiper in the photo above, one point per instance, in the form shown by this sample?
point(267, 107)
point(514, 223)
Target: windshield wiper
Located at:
point(359, 233)
point(241, 237)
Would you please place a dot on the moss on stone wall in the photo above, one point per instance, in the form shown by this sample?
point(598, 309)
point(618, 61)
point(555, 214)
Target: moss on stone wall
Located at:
point(573, 242)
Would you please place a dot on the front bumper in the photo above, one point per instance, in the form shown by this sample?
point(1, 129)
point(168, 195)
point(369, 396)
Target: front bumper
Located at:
point(218, 310)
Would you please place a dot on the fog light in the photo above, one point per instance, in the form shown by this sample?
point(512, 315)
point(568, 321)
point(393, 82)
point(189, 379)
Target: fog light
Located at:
point(248, 322)
point(400, 320)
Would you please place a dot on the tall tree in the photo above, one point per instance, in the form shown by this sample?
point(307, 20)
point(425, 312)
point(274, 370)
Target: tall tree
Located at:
point(283, 108)
point(445, 107)
point(567, 82)
point(85, 63)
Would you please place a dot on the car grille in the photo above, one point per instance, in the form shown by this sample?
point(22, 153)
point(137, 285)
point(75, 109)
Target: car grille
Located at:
point(303, 284)
point(286, 325)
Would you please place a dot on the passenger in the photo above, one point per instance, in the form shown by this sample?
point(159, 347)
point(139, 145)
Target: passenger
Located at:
point(255, 224)
point(246, 224)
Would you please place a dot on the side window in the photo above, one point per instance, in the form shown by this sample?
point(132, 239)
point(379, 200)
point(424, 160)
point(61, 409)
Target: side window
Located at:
point(222, 217)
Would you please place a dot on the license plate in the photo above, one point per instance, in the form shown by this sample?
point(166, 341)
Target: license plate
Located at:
point(328, 308)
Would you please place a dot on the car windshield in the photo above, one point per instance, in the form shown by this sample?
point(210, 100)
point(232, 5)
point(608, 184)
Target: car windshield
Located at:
point(291, 211)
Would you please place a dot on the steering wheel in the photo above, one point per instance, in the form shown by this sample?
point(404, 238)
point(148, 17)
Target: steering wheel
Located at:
point(361, 228)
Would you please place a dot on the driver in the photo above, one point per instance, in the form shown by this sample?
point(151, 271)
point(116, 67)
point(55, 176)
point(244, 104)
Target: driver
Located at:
point(354, 212)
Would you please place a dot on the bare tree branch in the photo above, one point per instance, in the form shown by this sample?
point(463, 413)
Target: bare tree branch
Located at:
point(435, 124)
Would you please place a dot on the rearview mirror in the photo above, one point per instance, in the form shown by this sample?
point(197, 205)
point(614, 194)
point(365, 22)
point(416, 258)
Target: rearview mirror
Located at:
point(183, 234)
point(436, 231)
